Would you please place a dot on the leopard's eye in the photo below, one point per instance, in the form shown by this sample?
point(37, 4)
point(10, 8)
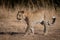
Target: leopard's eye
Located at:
point(22, 12)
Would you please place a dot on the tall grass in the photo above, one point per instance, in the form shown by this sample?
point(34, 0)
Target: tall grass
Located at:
point(30, 3)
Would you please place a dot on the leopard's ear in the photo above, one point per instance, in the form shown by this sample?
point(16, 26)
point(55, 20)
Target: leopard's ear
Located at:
point(53, 19)
point(21, 12)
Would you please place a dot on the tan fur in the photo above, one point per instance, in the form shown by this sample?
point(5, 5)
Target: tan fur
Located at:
point(37, 16)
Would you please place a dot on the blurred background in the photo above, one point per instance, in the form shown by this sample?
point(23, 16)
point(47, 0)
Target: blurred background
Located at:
point(9, 23)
